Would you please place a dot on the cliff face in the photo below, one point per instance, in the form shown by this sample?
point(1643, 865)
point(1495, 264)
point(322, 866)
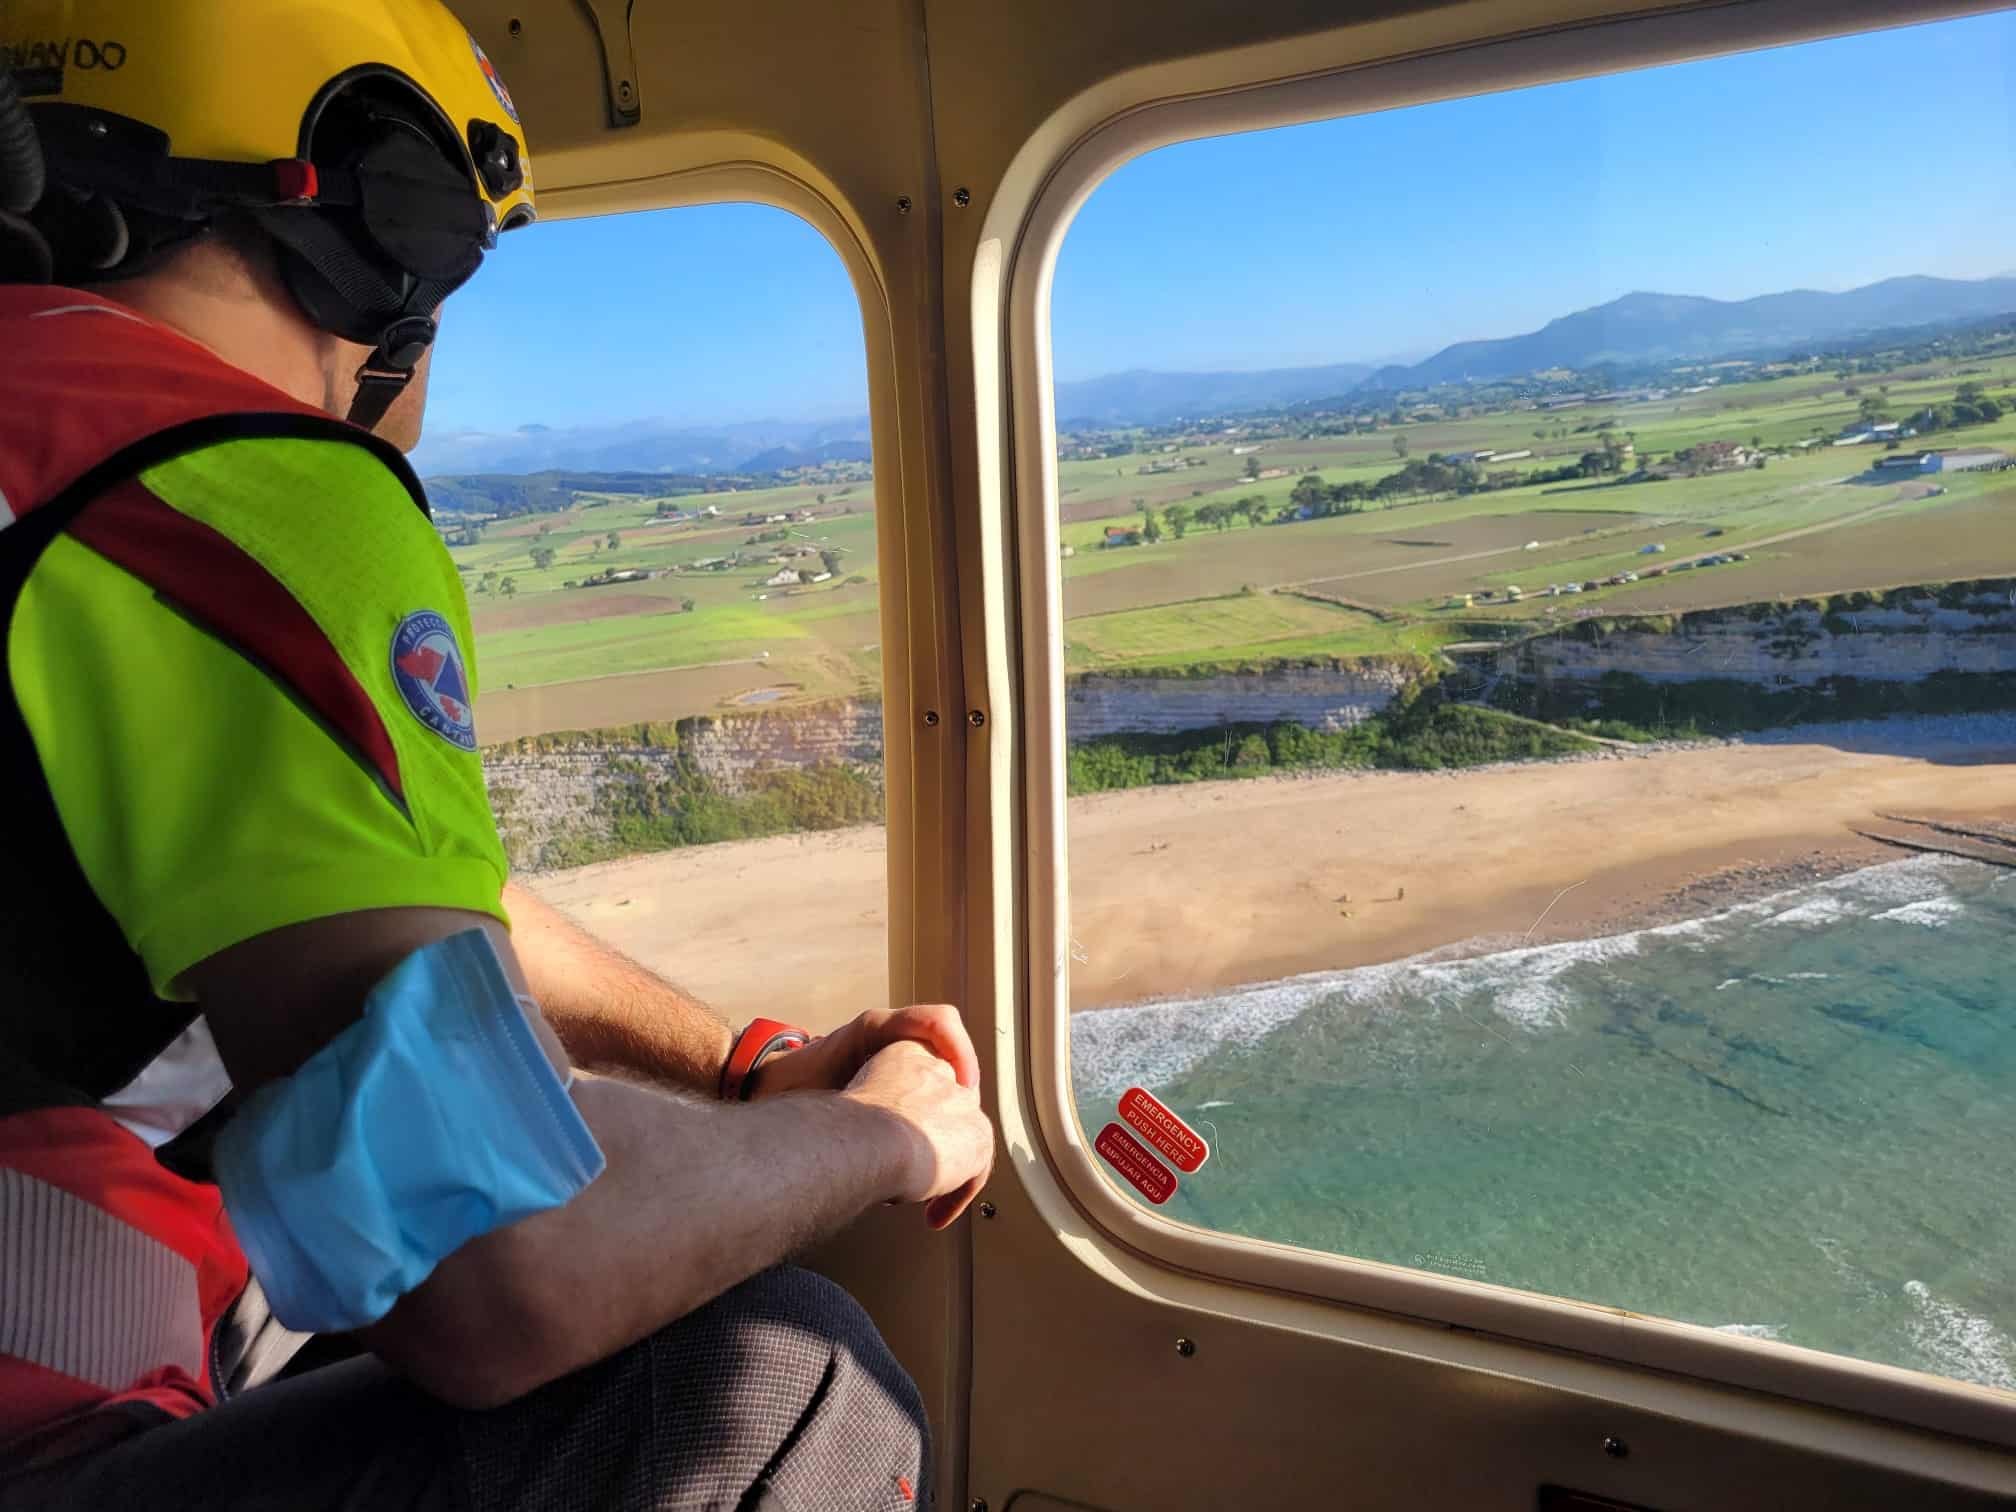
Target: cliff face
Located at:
point(729, 749)
point(1903, 637)
point(1321, 698)
point(576, 789)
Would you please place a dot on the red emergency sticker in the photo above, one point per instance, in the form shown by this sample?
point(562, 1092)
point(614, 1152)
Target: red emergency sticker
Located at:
point(1131, 1159)
point(1174, 1140)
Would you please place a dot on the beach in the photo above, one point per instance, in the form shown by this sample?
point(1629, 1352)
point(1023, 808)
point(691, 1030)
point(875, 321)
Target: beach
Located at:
point(1212, 885)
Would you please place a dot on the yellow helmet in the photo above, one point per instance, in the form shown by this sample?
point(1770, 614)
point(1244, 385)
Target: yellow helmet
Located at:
point(371, 139)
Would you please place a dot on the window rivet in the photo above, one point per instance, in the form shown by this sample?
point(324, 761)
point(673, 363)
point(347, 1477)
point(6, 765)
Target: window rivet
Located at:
point(1186, 1347)
point(1615, 1447)
point(962, 197)
point(987, 1210)
point(98, 128)
point(517, 27)
point(930, 716)
point(976, 719)
point(902, 204)
point(978, 1504)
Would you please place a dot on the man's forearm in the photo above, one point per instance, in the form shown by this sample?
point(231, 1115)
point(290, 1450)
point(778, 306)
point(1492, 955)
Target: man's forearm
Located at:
point(612, 1014)
point(695, 1199)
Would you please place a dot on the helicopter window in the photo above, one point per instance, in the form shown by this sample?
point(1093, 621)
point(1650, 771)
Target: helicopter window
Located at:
point(1539, 636)
point(648, 451)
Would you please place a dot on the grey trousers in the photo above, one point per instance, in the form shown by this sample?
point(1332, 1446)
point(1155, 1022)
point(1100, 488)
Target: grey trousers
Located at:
point(778, 1396)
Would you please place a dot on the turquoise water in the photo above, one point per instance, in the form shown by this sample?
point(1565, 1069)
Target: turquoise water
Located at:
point(1795, 1119)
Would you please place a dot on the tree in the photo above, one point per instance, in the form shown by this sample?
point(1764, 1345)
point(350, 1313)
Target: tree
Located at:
point(542, 557)
point(1309, 492)
point(1871, 408)
point(1151, 526)
point(829, 558)
point(687, 606)
point(487, 583)
point(821, 498)
point(1252, 507)
point(509, 587)
point(1399, 446)
point(1178, 516)
point(1252, 467)
point(615, 540)
point(1213, 514)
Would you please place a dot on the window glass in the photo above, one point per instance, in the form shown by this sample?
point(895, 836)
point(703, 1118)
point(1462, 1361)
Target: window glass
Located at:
point(647, 449)
point(1539, 585)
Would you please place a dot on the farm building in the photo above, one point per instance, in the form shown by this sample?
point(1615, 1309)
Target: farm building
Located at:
point(1123, 535)
point(785, 578)
point(1899, 462)
point(1976, 460)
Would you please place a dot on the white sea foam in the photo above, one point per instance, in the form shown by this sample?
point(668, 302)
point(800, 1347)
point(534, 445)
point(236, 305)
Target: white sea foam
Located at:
point(1158, 1041)
point(1809, 976)
point(1825, 909)
point(1732, 982)
point(1930, 913)
point(1752, 1330)
point(1959, 1343)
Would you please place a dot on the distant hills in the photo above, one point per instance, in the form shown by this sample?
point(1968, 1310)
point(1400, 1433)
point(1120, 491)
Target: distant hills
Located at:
point(1640, 328)
point(1637, 329)
point(1140, 397)
point(655, 446)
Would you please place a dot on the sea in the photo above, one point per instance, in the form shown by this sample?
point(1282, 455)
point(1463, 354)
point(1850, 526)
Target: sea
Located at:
point(1794, 1119)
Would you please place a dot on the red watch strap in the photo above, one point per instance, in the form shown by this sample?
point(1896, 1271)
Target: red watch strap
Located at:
point(763, 1038)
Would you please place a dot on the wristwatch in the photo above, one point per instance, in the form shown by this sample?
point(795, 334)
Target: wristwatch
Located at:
point(754, 1045)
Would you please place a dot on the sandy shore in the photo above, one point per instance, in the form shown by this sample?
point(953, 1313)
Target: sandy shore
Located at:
point(1185, 888)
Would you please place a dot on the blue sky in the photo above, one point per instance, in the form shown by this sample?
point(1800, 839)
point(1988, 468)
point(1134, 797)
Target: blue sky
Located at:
point(1824, 166)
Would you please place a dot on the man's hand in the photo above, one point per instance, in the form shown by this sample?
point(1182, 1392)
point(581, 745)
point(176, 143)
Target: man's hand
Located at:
point(949, 1144)
point(833, 1062)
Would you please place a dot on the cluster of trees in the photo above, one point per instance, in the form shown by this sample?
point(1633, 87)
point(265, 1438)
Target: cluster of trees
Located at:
point(644, 811)
point(1216, 515)
point(1313, 499)
point(1970, 406)
point(490, 582)
point(1418, 732)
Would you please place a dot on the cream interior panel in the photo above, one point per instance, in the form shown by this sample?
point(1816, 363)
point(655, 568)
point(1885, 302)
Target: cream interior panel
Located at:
point(1073, 1393)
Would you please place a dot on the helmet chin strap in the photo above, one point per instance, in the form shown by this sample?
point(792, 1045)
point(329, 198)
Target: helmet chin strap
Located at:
point(389, 368)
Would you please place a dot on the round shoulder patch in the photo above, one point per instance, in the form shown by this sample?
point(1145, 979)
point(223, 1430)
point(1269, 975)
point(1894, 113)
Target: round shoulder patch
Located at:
point(427, 666)
point(495, 82)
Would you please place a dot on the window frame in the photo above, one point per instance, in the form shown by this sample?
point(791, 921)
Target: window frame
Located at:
point(1012, 276)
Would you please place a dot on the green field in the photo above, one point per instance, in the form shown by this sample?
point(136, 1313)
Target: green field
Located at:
point(1387, 580)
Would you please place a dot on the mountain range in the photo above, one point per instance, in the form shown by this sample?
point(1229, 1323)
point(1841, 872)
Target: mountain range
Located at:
point(1636, 328)
point(1668, 327)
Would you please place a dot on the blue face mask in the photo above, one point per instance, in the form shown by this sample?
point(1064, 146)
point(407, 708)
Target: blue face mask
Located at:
point(432, 1120)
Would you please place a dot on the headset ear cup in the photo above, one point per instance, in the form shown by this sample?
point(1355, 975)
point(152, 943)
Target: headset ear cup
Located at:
point(323, 303)
point(24, 251)
point(86, 232)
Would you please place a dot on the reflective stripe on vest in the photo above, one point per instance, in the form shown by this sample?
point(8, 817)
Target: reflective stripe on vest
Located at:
point(116, 1270)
